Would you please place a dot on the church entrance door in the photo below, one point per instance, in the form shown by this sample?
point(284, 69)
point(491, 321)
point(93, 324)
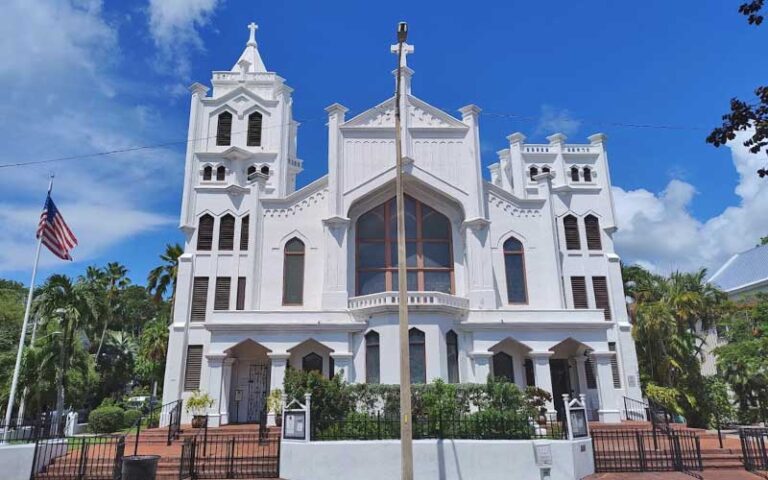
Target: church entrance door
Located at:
point(257, 391)
point(561, 383)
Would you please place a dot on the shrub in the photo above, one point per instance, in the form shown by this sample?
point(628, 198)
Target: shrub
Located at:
point(131, 417)
point(198, 403)
point(106, 419)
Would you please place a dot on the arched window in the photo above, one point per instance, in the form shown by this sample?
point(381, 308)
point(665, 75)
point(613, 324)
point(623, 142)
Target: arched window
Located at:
point(372, 372)
point(587, 174)
point(417, 350)
point(428, 249)
point(221, 173)
point(293, 272)
point(592, 228)
point(224, 129)
point(207, 172)
point(265, 169)
point(534, 171)
point(502, 366)
point(545, 170)
point(205, 232)
point(571, 226)
point(251, 170)
point(312, 362)
point(227, 233)
point(254, 129)
point(452, 352)
point(514, 267)
point(244, 226)
point(574, 174)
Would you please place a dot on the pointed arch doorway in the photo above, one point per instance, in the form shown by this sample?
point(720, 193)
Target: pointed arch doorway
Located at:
point(249, 386)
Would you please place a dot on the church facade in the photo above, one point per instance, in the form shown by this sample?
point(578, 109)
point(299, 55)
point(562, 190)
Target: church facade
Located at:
point(512, 275)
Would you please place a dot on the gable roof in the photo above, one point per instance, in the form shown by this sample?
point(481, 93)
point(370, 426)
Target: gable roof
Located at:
point(743, 269)
point(423, 115)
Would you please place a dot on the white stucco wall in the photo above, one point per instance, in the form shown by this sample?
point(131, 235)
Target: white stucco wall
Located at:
point(16, 460)
point(435, 459)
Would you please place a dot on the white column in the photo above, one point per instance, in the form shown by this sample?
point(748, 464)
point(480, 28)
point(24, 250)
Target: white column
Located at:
point(481, 293)
point(542, 374)
point(215, 374)
point(481, 365)
point(608, 412)
point(278, 361)
point(226, 387)
point(335, 292)
point(342, 362)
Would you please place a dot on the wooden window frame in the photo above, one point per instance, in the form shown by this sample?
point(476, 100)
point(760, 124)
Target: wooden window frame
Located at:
point(196, 381)
point(389, 268)
point(286, 254)
point(585, 299)
point(520, 252)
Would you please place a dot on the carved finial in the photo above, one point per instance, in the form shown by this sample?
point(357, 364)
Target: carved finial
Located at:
point(407, 49)
point(252, 39)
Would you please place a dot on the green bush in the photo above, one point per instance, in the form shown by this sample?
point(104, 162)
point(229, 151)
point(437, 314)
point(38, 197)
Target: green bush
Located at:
point(106, 419)
point(131, 417)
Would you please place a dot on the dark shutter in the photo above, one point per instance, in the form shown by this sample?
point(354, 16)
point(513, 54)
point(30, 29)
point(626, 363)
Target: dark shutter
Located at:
point(452, 350)
point(587, 174)
point(240, 303)
point(227, 232)
point(534, 171)
point(207, 172)
point(221, 173)
point(615, 366)
point(600, 287)
point(589, 367)
point(254, 129)
point(199, 299)
point(244, 226)
point(503, 367)
point(193, 367)
point(571, 226)
point(372, 360)
point(530, 376)
point(221, 298)
point(205, 232)
point(592, 227)
point(331, 367)
point(224, 129)
point(574, 174)
point(579, 290)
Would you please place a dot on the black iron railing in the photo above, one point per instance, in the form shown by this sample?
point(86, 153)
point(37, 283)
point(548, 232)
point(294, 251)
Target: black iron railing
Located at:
point(753, 448)
point(482, 426)
point(169, 416)
point(187, 461)
point(636, 410)
point(646, 451)
point(31, 430)
point(230, 456)
point(98, 457)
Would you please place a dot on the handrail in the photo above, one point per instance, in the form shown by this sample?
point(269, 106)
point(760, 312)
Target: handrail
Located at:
point(636, 410)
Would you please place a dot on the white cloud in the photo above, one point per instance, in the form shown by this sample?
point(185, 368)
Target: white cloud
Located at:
point(659, 232)
point(174, 27)
point(553, 120)
point(65, 97)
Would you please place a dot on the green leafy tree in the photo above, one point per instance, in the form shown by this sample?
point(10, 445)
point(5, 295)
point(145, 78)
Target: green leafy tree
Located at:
point(747, 115)
point(12, 295)
point(163, 277)
point(153, 345)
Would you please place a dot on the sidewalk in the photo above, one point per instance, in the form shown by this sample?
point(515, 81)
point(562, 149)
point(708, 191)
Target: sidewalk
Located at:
point(707, 474)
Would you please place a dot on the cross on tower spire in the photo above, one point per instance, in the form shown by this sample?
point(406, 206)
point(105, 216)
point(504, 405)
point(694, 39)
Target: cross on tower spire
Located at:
point(407, 49)
point(252, 39)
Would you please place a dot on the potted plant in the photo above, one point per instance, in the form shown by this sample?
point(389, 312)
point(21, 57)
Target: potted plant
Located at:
point(275, 407)
point(198, 405)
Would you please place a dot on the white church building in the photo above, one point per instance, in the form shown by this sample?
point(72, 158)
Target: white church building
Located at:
point(511, 274)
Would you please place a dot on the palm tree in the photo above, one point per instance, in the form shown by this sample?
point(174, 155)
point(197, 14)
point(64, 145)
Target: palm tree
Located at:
point(164, 276)
point(106, 284)
point(64, 308)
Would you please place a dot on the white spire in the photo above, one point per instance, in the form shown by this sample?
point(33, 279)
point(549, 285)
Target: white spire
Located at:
point(250, 60)
point(405, 71)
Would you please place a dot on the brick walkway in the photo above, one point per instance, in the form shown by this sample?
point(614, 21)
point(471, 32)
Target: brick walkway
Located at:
point(708, 475)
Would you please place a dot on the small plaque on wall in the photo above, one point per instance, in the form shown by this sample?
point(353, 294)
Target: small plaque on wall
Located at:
point(543, 454)
point(294, 426)
point(579, 423)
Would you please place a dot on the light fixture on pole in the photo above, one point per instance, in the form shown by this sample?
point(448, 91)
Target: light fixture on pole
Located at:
point(406, 432)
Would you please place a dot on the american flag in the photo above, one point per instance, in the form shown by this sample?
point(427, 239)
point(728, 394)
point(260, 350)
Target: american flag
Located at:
point(54, 231)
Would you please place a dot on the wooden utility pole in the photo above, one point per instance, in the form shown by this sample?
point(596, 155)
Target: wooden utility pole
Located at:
point(406, 432)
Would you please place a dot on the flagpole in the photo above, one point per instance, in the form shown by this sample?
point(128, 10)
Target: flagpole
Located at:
point(20, 351)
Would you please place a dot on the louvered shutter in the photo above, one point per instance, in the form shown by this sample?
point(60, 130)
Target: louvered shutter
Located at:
point(224, 129)
point(205, 233)
point(574, 174)
point(199, 299)
point(571, 226)
point(579, 290)
point(600, 287)
point(240, 304)
point(615, 366)
point(530, 375)
point(193, 367)
point(227, 233)
point(254, 129)
point(221, 173)
point(587, 174)
point(244, 226)
point(589, 367)
point(592, 227)
point(221, 298)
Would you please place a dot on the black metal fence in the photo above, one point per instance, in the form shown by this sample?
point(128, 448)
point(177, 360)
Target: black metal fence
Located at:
point(646, 451)
point(92, 457)
point(170, 412)
point(753, 442)
point(465, 426)
point(636, 410)
point(29, 431)
point(230, 456)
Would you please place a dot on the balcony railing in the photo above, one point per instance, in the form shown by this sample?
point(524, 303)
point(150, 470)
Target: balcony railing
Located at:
point(417, 300)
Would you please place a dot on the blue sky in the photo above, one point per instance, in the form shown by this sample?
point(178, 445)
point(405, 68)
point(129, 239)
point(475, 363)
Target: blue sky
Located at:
point(84, 76)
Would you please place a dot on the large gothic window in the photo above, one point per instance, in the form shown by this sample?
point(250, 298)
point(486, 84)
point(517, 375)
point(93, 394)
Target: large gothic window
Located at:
point(224, 129)
point(514, 267)
point(502, 366)
point(372, 371)
point(254, 130)
point(452, 353)
point(293, 273)
point(205, 232)
point(429, 256)
point(418, 355)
